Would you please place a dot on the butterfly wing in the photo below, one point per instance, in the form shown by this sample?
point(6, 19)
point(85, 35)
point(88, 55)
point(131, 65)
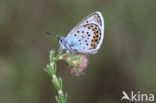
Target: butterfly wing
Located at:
point(87, 36)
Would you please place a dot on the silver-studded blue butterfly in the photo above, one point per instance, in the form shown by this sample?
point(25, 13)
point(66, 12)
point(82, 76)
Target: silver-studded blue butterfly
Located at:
point(86, 37)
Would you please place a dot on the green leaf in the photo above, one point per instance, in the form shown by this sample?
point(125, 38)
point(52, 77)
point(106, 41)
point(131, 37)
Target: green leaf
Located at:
point(60, 83)
point(65, 97)
point(56, 85)
point(50, 70)
point(55, 68)
point(57, 57)
point(45, 70)
point(62, 98)
point(52, 53)
point(57, 100)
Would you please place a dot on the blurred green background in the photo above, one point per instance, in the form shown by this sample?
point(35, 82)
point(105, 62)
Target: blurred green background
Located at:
point(126, 60)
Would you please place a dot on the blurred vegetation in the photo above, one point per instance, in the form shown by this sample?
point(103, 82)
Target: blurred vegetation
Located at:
point(126, 60)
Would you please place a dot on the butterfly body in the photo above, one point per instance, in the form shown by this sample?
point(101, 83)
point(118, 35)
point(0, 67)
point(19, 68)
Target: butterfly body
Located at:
point(86, 37)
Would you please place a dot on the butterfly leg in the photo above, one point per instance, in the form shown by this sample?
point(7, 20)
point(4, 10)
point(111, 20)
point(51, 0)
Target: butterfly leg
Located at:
point(60, 49)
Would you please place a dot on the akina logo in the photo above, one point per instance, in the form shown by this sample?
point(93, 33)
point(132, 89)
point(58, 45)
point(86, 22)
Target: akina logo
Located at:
point(137, 96)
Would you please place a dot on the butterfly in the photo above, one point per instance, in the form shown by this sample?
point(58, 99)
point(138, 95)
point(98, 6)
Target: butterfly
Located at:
point(85, 37)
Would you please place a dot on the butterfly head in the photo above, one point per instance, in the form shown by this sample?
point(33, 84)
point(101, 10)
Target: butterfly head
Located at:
point(64, 44)
point(61, 40)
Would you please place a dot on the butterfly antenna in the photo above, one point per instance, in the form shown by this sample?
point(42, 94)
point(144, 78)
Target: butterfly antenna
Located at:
point(48, 33)
point(57, 36)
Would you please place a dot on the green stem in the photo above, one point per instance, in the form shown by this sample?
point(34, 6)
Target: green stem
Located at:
point(56, 81)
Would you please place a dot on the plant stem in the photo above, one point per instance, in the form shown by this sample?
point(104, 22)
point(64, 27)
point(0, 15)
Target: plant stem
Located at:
point(56, 81)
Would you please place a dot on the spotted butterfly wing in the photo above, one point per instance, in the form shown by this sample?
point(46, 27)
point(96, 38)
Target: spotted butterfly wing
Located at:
point(87, 36)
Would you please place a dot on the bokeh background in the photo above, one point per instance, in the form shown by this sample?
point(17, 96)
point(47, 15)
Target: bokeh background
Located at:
point(126, 60)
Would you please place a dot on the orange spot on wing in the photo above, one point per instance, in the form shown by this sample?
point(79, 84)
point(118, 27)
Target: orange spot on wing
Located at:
point(95, 29)
point(92, 45)
point(94, 40)
point(96, 33)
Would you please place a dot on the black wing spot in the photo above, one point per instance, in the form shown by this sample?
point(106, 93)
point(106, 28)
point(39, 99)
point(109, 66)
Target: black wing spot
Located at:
point(96, 40)
point(74, 34)
point(87, 21)
point(82, 31)
point(87, 32)
point(85, 40)
point(78, 31)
